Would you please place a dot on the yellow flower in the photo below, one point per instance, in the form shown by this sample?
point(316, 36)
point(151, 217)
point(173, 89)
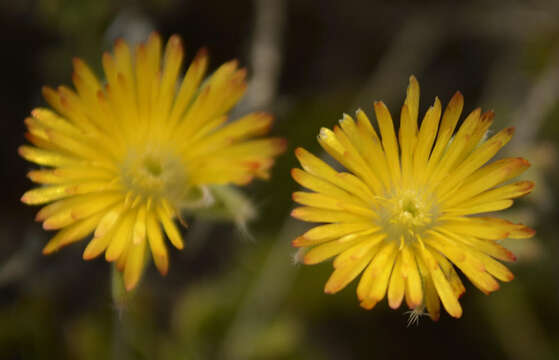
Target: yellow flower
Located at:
point(125, 157)
point(402, 214)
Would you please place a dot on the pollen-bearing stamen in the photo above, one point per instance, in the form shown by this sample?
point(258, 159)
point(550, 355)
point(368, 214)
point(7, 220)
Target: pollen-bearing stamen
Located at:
point(405, 212)
point(124, 155)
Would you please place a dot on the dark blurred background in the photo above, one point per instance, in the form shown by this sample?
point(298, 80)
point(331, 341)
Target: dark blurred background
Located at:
point(228, 296)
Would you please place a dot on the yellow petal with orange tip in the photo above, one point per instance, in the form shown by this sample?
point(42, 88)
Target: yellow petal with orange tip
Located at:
point(372, 148)
point(352, 132)
point(325, 251)
point(67, 175)
point(72, 233)
point(490, 248)
point(501, 193)
point(323, 233)
point(426, 139)
point(449, 120)
point(49, 119)
point(356, 162)
point(84, 207)
point(46, 194)
point(487, 177)
point(359, 250)
point(412, 102)
point(490, 228)
point(317, 167)
point(319, 185)
point(450, 273)
point(135, 260)
point(389, 142)
point(172, 61)
point(455, 148)
point(381, 275)
point(317, 200)
point(312, 214)
point(480, 208)
point(410, 272)
point(375, 268)
point(171, 229)
point(122, 236)
point(480, 132)
point(397, 285)
point(189, 85)
point(104, 233)
point(474, 161)
point(156, 243)
point(432, 301)
point(408, 138)
point(139, 231)
point(496, 268)
point(444, 290)
point(345, 274)
point(46, 157)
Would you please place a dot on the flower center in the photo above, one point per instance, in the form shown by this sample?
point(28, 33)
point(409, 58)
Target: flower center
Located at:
point(155, 173)
point(406, 215)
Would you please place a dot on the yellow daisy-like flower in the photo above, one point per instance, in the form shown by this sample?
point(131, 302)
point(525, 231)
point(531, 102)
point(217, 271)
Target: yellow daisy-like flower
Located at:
point(125, 157)
point(403, 214)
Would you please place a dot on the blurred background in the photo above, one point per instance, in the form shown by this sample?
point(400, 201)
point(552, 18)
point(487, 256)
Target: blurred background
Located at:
point(230, 296)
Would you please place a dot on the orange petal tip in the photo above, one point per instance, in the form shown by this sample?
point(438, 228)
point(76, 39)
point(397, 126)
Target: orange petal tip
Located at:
point(299, 151)
point(48, 226)
point(368, 304)
point(175, 40)
point(294, 213)
point(298, 241)
point(201, 55)
point(88, 255)
point(49, 249)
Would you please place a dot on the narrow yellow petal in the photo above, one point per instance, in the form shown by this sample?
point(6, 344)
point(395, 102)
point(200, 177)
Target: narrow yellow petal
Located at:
point(189, 85)
point(122, 236)
point(432, 301)
point(445, 291)
point(382, 272)
point(412, 102)
point(72, 233)
point(325, 251)
point(425, 139)
point(360, 249)
point(134, 264)
point(478, 158)
point(344, 275)
point(171, 229)
point(332, 231)
point(487, 177)
point(389, 142)
point(397, 285)
point(315, 166)
point(312, 214)
point(375, 269)
point(410, 271)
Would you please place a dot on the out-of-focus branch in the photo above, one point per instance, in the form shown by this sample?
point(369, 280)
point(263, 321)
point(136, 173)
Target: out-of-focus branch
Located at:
point(543, 95)
point(265, 53)
point(268, 289)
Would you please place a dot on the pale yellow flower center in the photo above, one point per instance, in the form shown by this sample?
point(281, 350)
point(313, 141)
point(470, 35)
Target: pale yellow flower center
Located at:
point(406, 215)
point(155, 173)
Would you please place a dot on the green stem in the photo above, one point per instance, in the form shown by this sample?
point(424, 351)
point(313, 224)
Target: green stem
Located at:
point(120, 300)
